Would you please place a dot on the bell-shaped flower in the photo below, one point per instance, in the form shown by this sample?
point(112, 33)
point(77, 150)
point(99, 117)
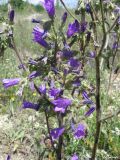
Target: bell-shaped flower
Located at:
point(73, 28)
point(29, 105)
point(61, 104)
point(10, 82)
point(57, 132)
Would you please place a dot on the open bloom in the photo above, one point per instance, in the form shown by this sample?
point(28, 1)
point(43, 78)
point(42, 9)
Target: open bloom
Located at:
point(54, 92)
point(80, 131)
point(61, 104)
point(74, 157)
point(74, 63)
point(49, 7)
point(11, 15)
point(39, 36)
point(73, 28)
point(30, 105)
point(57, 132)
point(10, 82)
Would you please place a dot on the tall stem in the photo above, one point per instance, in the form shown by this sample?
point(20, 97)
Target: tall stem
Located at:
point(98, 108)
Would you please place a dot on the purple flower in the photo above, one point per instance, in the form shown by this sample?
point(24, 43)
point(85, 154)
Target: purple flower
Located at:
point(92, 54)
point(32, 62)
point(87, 101)
point(73, 28)
point(67, 53)
point(42, 89)
point(90, 111)
point(34, 74)
point(11, 15)
point(118, 21)
point(54, 92)
point(39, 36)
point(83, 26)
point(80, 131)
point(21, 66)
point(75, 157)
point(49, 7)
point(85, 95)
point(30, 105)
point(64, 17)
point(115, 45)
point(35, 21)
point(57, 132)
point(117, 10)
point(10, 82)
point(74, 63)
point(8, 157)
point(88, 8)
point(61, 104)
point(86, 98)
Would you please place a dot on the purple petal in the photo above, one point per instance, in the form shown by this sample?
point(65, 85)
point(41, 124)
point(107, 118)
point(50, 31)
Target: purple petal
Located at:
point(73, 28)
point(30, 105)
point(39, 36)
point(80, 131)
point(8, 157)
point(49, 7)
point(88, 8)
point(92, 54)
point(34, 74)
point(11, 15)
point(74, 63)
point(42, 89)
point(61, 104)
point(57, 132)
point(90, 111)
point(54, 92)
point(10, 82)
point(74, 157)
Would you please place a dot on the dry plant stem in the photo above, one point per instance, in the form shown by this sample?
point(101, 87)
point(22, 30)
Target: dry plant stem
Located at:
point(98, 108)
point(113, 25)
point(98, 105)
point(17, 53)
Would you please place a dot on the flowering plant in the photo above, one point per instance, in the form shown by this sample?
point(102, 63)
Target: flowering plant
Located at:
point(65, 93)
